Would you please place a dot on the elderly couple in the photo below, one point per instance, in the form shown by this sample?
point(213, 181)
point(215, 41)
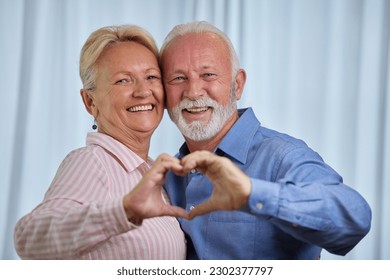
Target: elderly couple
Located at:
point(235, 190)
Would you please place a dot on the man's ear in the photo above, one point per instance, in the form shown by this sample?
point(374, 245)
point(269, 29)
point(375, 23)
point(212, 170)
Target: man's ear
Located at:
point(89, 102)
point(239, 83)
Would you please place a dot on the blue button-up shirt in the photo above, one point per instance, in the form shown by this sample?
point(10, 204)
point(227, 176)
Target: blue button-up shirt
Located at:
point(297, 206)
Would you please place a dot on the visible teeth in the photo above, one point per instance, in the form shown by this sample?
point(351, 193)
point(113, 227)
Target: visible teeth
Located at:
point(197, 110)
point(141, 108)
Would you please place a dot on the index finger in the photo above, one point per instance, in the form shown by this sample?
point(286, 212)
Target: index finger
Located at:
point(198, 159)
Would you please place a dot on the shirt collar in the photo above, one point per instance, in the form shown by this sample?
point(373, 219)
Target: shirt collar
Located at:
point(237, 141)
point(126, 157)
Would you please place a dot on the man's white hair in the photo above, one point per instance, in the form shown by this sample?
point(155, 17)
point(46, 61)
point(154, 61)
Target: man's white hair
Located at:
point(199, 27)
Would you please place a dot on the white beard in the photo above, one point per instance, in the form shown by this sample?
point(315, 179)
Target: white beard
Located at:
point(196, 130)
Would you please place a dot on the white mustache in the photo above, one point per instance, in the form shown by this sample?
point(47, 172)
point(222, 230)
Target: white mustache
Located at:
point(201, 102)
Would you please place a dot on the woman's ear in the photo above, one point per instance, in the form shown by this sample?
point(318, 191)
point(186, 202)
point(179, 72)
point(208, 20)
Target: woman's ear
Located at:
point(239, 83)
point(89, 102)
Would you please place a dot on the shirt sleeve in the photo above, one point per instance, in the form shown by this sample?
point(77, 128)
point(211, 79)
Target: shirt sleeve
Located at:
point(76, 215)
point(309, 201)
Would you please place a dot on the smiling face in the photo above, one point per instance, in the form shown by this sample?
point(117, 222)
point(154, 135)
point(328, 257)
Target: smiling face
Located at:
point(201, 94)
point(128, 100)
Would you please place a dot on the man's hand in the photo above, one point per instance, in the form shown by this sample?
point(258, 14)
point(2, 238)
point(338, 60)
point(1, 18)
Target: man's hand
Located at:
point(145, 200)
point(232, 187)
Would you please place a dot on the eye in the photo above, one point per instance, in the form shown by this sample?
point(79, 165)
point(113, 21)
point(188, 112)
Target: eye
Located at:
point(208, 75)
point(152, 77)
point(122, 82)
point(178, 79)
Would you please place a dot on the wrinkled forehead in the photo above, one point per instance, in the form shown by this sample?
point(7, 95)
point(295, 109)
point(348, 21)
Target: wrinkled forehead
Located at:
point(194, 47)
point(192, 41)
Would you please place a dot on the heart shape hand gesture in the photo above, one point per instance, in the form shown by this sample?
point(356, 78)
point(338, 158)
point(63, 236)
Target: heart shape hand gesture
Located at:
point(231, 187)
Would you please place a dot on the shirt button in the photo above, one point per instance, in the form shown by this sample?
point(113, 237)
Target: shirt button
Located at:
point(259, 205)
point(193, 171)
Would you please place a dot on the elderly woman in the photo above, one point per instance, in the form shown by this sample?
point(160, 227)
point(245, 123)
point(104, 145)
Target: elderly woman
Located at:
point(97, 206)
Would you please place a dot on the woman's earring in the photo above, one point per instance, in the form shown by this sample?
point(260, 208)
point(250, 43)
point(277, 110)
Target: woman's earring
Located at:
point(94, 126)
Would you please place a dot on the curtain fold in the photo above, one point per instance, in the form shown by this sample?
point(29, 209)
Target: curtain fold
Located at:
point(317, 69)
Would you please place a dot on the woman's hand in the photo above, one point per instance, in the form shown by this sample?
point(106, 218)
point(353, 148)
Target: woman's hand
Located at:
point(146, 199)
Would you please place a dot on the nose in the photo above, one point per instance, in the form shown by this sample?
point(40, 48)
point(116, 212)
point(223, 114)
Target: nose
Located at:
point(194, 90)
point(142, 89)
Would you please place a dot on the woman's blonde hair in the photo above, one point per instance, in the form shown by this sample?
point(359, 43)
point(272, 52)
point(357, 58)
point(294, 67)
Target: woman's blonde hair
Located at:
point(104, 37)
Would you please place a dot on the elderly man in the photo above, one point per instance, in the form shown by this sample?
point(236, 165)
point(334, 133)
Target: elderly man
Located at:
point(252, 192)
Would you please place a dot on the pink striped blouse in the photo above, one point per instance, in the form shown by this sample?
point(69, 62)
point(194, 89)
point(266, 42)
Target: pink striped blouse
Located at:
point(82, 216)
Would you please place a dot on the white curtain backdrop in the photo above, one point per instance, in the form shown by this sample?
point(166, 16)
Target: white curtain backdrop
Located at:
point(317, 69)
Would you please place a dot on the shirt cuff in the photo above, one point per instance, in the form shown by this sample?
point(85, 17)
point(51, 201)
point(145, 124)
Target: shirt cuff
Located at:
point(264, 198)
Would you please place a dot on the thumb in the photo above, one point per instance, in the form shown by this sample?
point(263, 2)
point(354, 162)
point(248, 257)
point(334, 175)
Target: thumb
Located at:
point(201, 209)
point(177, 212)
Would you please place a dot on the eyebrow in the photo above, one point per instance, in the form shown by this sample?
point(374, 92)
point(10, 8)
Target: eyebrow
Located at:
point(180, 70)
point(129, 72)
